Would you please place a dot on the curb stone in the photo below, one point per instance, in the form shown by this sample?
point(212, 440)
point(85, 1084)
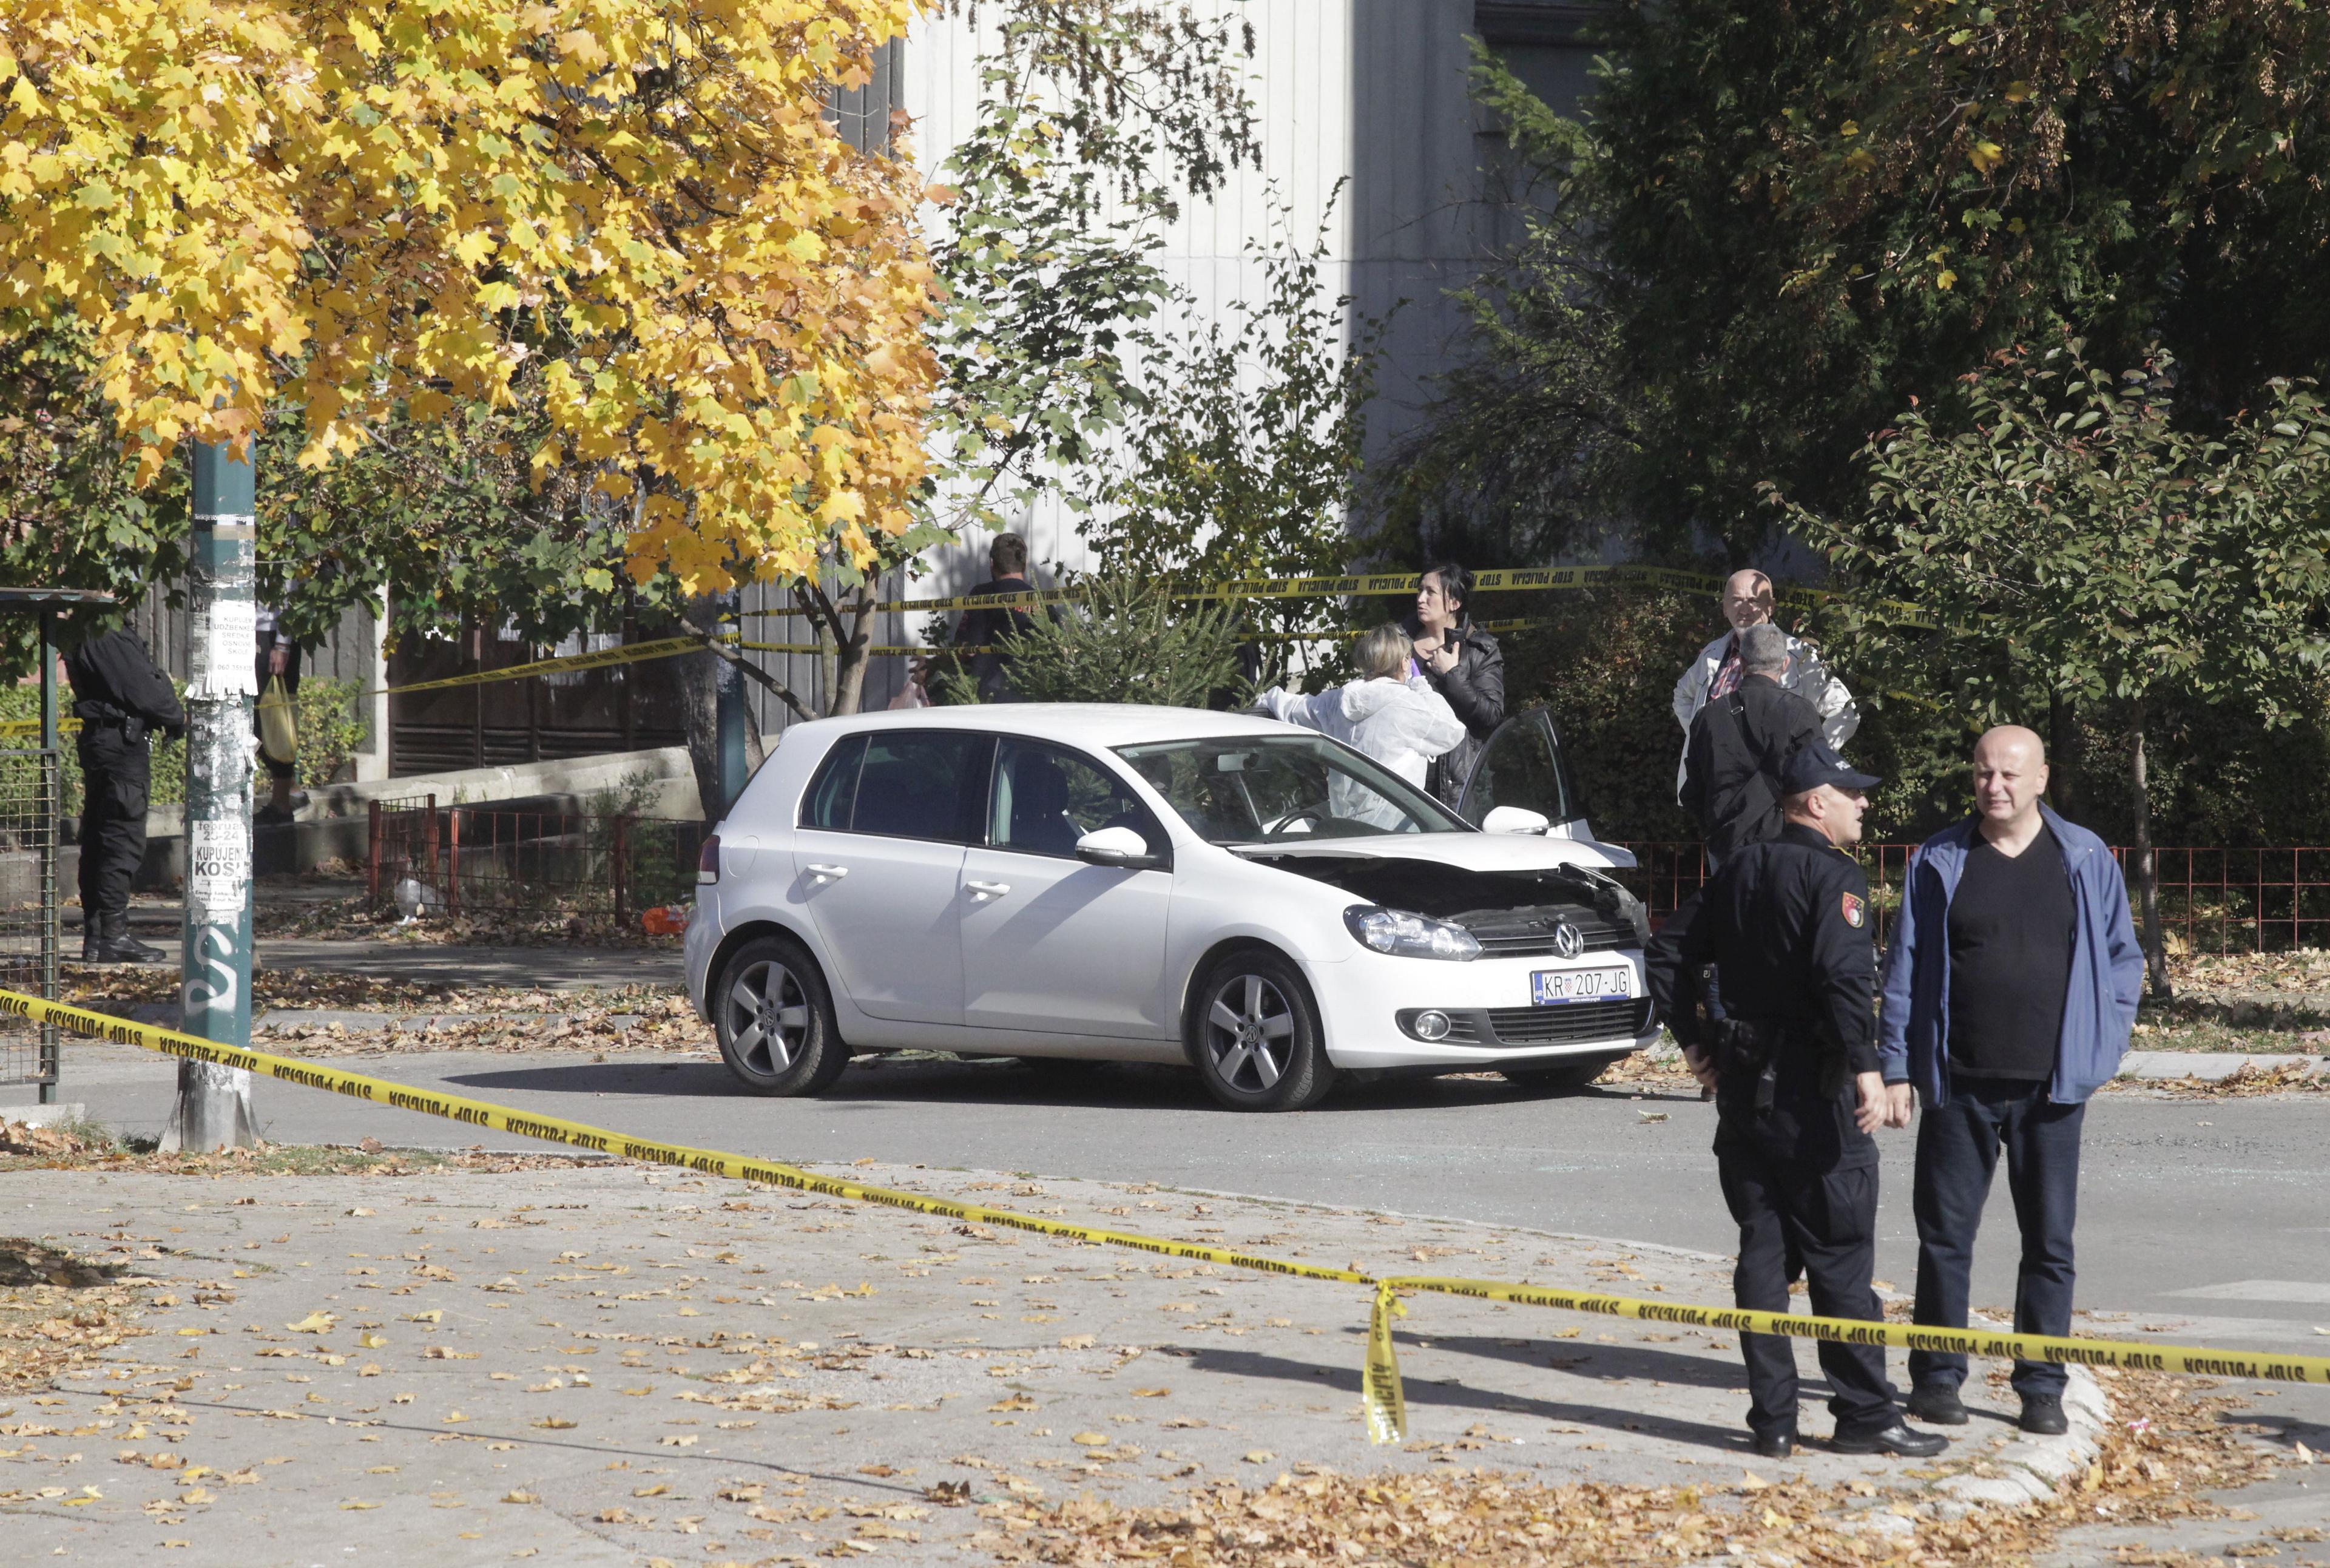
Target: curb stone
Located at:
point(2033, 1466)
point(2210, 1065)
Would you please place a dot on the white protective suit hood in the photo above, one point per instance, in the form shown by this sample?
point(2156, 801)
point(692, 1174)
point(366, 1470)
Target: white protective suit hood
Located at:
point(1403, 724)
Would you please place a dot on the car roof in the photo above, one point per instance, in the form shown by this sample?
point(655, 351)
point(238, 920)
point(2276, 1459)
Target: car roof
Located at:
point(1090, 724)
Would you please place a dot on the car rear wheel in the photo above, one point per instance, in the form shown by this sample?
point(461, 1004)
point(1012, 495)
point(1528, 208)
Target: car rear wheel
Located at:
point(1254, 1035)
point(774, 1019)
point(1575, 1073)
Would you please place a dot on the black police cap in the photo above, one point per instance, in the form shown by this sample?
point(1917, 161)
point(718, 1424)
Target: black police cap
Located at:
point(1815, 764)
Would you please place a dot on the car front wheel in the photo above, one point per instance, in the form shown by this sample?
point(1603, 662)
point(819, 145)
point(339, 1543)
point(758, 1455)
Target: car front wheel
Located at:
point(774, 1019)
point(1254, 1035)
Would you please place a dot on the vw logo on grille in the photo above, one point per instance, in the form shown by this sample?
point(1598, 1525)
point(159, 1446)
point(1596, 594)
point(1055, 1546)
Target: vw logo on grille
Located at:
point(1568, 941)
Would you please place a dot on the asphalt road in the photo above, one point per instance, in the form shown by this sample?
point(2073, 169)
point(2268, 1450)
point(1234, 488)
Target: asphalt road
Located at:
point(2204, 1216)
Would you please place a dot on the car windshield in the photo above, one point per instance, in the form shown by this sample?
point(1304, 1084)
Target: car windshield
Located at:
point(1263, 789)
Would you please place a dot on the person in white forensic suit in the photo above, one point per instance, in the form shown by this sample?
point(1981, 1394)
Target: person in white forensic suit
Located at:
point(1395, 717)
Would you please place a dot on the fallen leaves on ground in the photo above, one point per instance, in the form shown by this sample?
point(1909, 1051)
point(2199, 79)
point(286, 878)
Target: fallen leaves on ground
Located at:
point(640, 1017)
point(99, 1154)
point(356, 918)
point(2169, 1443)
point(2303, 1076)
point(57, 1312)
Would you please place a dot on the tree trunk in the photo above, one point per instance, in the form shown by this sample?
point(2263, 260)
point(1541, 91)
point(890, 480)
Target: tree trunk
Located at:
point(849, 655)
point(2063, 754)
point(2147, 874)
point(699, 686)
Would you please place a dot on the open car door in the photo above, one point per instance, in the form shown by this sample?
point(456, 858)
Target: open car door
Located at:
point(1521, 765)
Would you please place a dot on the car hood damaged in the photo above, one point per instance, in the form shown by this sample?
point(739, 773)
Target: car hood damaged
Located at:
point(1486, 902)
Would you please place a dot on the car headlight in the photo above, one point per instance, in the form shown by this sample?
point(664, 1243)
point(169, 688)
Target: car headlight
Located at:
point(1407, 935)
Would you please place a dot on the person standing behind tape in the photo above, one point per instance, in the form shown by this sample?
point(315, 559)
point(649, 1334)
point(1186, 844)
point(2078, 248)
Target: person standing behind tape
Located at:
point(2009, 994)
point(1738, 743)
point(985, 629)
point(1748, 602)
point(1795, 1069)
point(1463, 663)
point(120, 697)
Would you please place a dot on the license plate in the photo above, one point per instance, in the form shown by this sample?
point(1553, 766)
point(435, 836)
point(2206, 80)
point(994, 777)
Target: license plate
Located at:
point(1552, 987)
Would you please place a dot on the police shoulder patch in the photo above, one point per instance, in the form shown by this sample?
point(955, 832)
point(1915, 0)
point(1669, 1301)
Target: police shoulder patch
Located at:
point(1853, 909)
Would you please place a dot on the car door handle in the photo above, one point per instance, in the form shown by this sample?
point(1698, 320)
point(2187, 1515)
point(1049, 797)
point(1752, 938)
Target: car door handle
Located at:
point(988, 889)
point(829, 873)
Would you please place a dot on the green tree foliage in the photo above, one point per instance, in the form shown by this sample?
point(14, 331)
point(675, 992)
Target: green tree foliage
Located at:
point(1776, 224)
point(1097, 118)
point(1125, 640)
point(1528, 445)
point(1242, 454)
point(71, 515)
point(2077, 542)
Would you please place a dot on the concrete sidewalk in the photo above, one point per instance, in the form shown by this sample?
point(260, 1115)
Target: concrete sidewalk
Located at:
point(603, 1363)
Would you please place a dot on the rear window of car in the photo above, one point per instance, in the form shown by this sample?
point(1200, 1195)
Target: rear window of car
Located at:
point(833, 794)
point(909, 785)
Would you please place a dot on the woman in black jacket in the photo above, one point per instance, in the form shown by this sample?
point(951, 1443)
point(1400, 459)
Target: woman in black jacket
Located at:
point(1463, 663)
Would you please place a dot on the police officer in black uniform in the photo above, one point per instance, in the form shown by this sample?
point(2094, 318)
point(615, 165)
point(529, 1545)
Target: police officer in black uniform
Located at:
point(1769, 980)
point(120, 699)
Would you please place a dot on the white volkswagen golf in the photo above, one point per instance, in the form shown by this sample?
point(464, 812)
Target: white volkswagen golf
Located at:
point(1073, 883)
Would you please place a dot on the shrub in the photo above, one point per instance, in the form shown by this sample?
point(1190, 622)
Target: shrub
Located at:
point(1126, 641)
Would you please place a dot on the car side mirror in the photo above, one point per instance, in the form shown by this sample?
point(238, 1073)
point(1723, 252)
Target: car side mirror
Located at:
point(1515, 819)
point(1119, 847)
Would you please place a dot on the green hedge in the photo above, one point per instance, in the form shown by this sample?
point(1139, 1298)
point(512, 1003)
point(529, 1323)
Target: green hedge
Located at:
point(332, 728)
point(1607, 664)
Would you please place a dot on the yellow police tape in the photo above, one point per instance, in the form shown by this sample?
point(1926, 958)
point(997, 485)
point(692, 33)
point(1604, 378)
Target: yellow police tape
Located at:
point(915, 650)
point(630, 653)
point(1485, 581)
point(1492, 580)
point(1385, 1403)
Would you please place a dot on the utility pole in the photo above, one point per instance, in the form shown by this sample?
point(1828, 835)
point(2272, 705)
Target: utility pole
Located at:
point(729, 710)
point(213, 1109)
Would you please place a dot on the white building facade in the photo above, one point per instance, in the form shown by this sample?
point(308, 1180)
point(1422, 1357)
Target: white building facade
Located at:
point(1366, 125)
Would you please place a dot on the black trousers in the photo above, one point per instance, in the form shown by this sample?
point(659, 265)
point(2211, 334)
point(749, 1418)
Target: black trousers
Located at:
point(116, 776)
point(1828, 1219)
point(1957, 1155)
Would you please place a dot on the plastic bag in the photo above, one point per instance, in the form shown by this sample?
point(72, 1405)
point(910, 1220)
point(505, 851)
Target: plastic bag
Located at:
point(279, 726)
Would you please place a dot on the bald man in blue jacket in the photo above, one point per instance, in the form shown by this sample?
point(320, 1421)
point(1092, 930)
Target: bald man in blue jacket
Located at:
point(2010, 991)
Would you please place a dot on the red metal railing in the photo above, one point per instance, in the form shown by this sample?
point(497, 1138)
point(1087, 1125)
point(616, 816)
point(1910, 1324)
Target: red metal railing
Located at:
point(474, 858)
point(2211, 901)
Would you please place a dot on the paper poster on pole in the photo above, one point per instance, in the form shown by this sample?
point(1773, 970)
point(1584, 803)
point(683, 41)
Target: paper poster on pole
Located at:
point(218, 866)
point(222, 650)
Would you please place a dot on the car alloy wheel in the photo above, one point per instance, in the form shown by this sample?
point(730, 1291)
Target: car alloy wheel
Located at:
point(775, 1020)
point(769, 1017)
point(1250, 1034)
point(1256, 1035)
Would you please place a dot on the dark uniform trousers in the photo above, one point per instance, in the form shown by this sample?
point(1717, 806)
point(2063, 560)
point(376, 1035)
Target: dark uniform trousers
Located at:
point(1827, 1220)
point(116, 776)
point(1784, 923)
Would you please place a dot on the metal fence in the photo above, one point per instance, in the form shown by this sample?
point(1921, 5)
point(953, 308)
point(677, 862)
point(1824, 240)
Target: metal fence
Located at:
point(30, 782)
point(460, 859)
point(2218, 901)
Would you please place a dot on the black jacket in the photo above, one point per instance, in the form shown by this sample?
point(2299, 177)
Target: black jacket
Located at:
point(1787, 924)
point(1731, 767)
point(985, 629)
point(1475, 690)
point(114, 679)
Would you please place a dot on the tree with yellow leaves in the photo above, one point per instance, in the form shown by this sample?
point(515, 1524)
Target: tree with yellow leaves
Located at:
point(377, 207)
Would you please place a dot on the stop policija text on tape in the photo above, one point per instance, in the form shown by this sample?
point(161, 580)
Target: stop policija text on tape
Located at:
point(1386, 1407)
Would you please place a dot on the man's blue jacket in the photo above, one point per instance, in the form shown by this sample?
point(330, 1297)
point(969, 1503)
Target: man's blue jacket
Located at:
point(1913, 1029)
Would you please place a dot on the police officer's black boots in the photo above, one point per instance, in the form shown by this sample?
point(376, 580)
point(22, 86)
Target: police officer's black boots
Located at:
point(115, 945)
